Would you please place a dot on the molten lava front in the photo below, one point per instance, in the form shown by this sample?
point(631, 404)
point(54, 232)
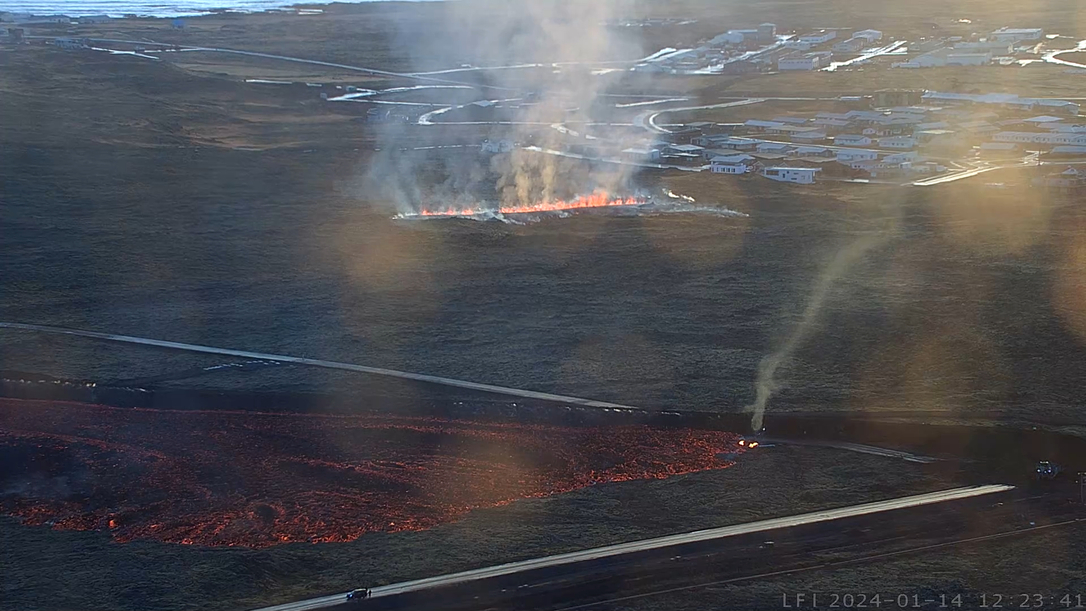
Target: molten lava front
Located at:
point(596, 200)
point(257, 479)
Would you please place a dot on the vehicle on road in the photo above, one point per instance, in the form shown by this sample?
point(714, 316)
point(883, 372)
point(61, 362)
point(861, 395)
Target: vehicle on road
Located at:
point(358, 594)
point(1047, 470)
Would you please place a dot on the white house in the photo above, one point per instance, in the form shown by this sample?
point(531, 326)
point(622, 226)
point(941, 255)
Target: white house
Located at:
point(993, 46)
point(905, 157)
point(71, 43)
point(1048, 138)
point(898, 142)
point(778, 148)
point(851, 140)
point(1016, 34)
point(1069, 150)
point(968, 59)
point(813, 151)
point(811, 136)
point(764, 126)
point(819, 37)
point(641, 154)
point(847, 156)
point(803, 176)
point(684, 150)
point(807, 61)
point(869, 35)
point(732, 164)
point(497, 146)
point(852, 45)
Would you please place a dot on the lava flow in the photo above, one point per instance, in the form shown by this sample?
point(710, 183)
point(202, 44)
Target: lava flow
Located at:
point(257, 479)
point(596, 200)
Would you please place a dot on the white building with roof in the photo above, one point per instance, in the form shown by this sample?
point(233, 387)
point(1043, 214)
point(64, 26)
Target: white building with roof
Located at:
point(1016, 34)
point(1045, 138)
point(731, 164)
point(811, 136)
point(898, 142)
point(774, 148)
point(851, 140)
point(1069, 150)
point(852, 45)
point(848, 156)
point(806, 61)
point(819, 37)
point(802, 176)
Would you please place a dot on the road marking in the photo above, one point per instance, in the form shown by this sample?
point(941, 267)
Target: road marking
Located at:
point(297, 360)
point(663, 542)
point(862, 559)
point(855, 447)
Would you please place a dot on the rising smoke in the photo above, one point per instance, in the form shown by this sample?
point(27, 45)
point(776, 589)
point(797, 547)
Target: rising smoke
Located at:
point(766, 383)
point(564, 41)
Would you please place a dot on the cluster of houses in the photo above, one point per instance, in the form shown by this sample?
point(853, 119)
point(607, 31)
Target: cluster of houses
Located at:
point(877, 142)
point(956, 51)
point(31, 19)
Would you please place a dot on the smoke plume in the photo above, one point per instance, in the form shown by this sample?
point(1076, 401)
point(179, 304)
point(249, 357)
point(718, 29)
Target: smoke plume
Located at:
point(766, 383)
point(542, 87)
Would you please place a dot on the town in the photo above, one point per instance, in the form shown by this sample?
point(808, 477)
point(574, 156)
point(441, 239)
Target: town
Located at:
point(904, 135)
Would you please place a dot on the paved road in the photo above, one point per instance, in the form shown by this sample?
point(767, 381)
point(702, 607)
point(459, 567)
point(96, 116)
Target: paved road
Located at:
point(647, 120)
point(637, 547)
point(418, 377)
point(890, 48)
point(300, 60)
point(983, 168)
point(1053, 57)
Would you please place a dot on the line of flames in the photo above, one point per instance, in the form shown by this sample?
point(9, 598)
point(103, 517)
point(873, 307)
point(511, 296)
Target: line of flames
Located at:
point(596, 200)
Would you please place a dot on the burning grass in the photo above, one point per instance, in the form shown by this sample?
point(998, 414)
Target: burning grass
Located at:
point(256, 479)
point(585, 202)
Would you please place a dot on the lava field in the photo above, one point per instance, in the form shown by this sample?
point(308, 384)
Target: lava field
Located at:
point(256, 479)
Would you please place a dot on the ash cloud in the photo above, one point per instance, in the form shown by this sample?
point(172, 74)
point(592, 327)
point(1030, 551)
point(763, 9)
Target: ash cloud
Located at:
point(561, 42)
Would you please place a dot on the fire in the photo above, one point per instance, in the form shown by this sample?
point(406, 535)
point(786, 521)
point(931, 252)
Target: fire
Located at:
point(224, 478)
point(596, 200)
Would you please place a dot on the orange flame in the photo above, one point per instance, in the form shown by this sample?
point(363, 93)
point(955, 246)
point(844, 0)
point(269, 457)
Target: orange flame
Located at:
point(596, 200)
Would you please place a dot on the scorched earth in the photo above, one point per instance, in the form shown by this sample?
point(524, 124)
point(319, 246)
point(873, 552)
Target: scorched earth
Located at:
point(257, 479)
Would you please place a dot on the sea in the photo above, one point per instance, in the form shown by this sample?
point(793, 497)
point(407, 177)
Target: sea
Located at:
point(118, 8)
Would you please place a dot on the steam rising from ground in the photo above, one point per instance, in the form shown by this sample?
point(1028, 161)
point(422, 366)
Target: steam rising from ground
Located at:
point(766, 383)
point(497, 33)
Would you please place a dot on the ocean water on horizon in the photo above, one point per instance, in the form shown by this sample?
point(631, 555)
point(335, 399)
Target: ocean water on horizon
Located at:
point(150, 8)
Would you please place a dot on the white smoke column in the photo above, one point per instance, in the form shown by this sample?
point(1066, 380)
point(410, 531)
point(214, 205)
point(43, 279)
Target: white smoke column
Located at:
point(766, 383)
point(557, 43)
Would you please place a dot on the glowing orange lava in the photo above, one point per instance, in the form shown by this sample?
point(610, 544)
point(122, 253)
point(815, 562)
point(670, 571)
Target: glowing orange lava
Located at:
point(257, 479)
point(596, 200)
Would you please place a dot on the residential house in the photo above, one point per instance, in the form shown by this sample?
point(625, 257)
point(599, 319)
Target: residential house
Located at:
point(851, 140)
point(803, 176)
point(847, 156)
point(731, 164)
point(898, 142)
point(1012, 35)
